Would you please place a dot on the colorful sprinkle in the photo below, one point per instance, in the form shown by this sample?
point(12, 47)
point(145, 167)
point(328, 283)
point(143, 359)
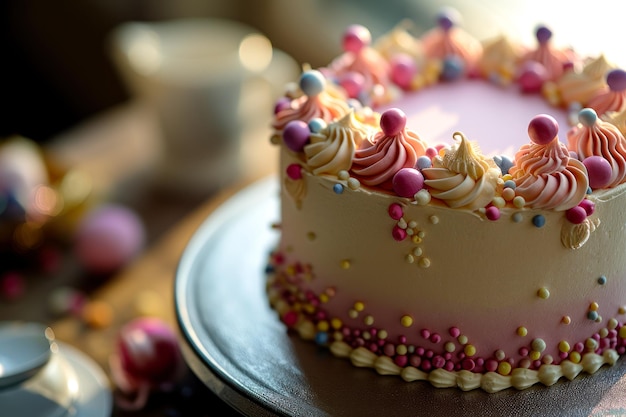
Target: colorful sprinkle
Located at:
point(369, 320)
point(343, 175)
point(602, 280)
point(539, 220)
point(522, 331)
point(519, 201)
point(345, 264)
point(338, 188)
point(517, 217)
point(424, 262)
point(543, 293)
point(469, 350)
point(566, 320)
point(433, 219)
point(406, 321)
point(538, 345)
point(564, 346)
point(422, 197)
point(592, 315)
point(353, 183)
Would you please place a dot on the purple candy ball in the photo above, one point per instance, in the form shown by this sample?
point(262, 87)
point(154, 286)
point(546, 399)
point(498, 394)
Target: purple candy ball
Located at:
point(393, 121)
point(543, 34)
point(542, 129)
point(447, 18)
point(407, 182)
point(616, 79)
point(296, 135)
point(599, 171)
point(282, 104)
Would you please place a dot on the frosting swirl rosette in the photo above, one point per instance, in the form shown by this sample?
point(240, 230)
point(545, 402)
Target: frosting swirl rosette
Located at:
point(360, 69)
point(332, 148)
point(544, 174)
point(552, 59)
point(613, 96)
point(447, 40)
point(595, 137)
point(463, 177)
point(315, 103)
point(580, 87)
point(379, 158)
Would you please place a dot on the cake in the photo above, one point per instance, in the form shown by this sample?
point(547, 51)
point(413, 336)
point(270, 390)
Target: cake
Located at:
point(452, 210)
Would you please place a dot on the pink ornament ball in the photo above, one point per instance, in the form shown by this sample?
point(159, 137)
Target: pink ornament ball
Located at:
point(296, 135)
point(148, 351)
point(492, 213)
point(355, 38)
point(407, 182)
point(599, 171)
point(403, 69)
point(353, 83)
point(294, 171)
point(616, 80)
point(108, 237)
point(532, 76)
point(542, 129)
point(589, 206)
point(576, 215)
point(393, 121)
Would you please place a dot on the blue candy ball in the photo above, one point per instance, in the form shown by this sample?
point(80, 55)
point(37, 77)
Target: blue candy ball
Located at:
point(423, 162)
point(316, 125)
point(312, 83)
point(587, 117)
point(453, 68)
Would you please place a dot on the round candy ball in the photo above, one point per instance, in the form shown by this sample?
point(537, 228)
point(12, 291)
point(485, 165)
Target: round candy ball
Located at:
point(282, 103)
point(393, 121)
point(353, 83)
point(599, 171)
point(447, 18)
point(407, 182)
point(542, 129)
point(423, 162)
point(543, 34)
point(453, 68)
point(576, 215)
point(616, 79)
point(108, 237)
point(532, 76)
point(403, 69)
point(312, 83)
point(355, 38)
point(296, 135)
point(148, 351)
point(587, 117)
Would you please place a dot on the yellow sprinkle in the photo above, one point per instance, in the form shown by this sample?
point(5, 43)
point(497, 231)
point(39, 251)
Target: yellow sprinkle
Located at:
point(409, 258)
point(504, 368)
point(323, 298)
point(359, 306)
point(566, 320)
point(574, 357)
point(621, 310)
point(323, 326)
point(612, 324)
point(417, 252)
point(543, 293)
point(622, 332)
point(591, 344)
point(407, 321)
point(366, 335)
point(507, 177)
point(522, 331)
point(401, 350)
point(469, 350)
point(382, 334)
point(311, 236)
point(309, 308)
point(593, 306)
point(338, 336)
point(336, 323)
point(462, 339)
point(353, 314)
point(368, 320)
point(98, 314)
point(345, 264)
point(424, 262)
point(416, 239)
point(604, 332)
point(564, 346)
point(534, 355)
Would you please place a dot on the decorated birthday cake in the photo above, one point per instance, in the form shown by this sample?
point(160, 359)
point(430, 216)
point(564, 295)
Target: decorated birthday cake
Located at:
point(453, 210)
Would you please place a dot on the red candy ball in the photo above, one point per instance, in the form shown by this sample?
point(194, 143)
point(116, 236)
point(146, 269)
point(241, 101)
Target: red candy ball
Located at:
point(532, 77)
point(355, 38)
point(407, 182)
point(393, 121)
point(542, 129)
point(296, 135)
point(294, 171)
point(599, 171)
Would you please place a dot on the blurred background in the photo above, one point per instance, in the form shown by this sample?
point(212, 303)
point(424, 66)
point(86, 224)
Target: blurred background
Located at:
point(120, 143)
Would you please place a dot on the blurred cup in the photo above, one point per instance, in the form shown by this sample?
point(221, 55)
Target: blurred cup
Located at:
point(193, 73)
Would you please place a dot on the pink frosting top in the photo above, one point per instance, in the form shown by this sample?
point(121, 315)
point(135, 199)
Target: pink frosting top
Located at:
point(305, 108)
point(547, 178)
point(552, 59)
point(368, 62)
point(607, 100)
point(439, 44)
point(378, 159)
point(601, 139)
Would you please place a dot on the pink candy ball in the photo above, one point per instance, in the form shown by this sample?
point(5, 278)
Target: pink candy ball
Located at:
point(403, 69)
point(492, 213)
point(407, 182)
point(542, 129)
point(392, 122)
point(589, 206)
point(148, 351)
point(108, 237)
point(599, 171)
point(296, 135)
point(576, 215)
point(294, 171)
point(353, 83)
point(532, 76)
point(355, 38)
